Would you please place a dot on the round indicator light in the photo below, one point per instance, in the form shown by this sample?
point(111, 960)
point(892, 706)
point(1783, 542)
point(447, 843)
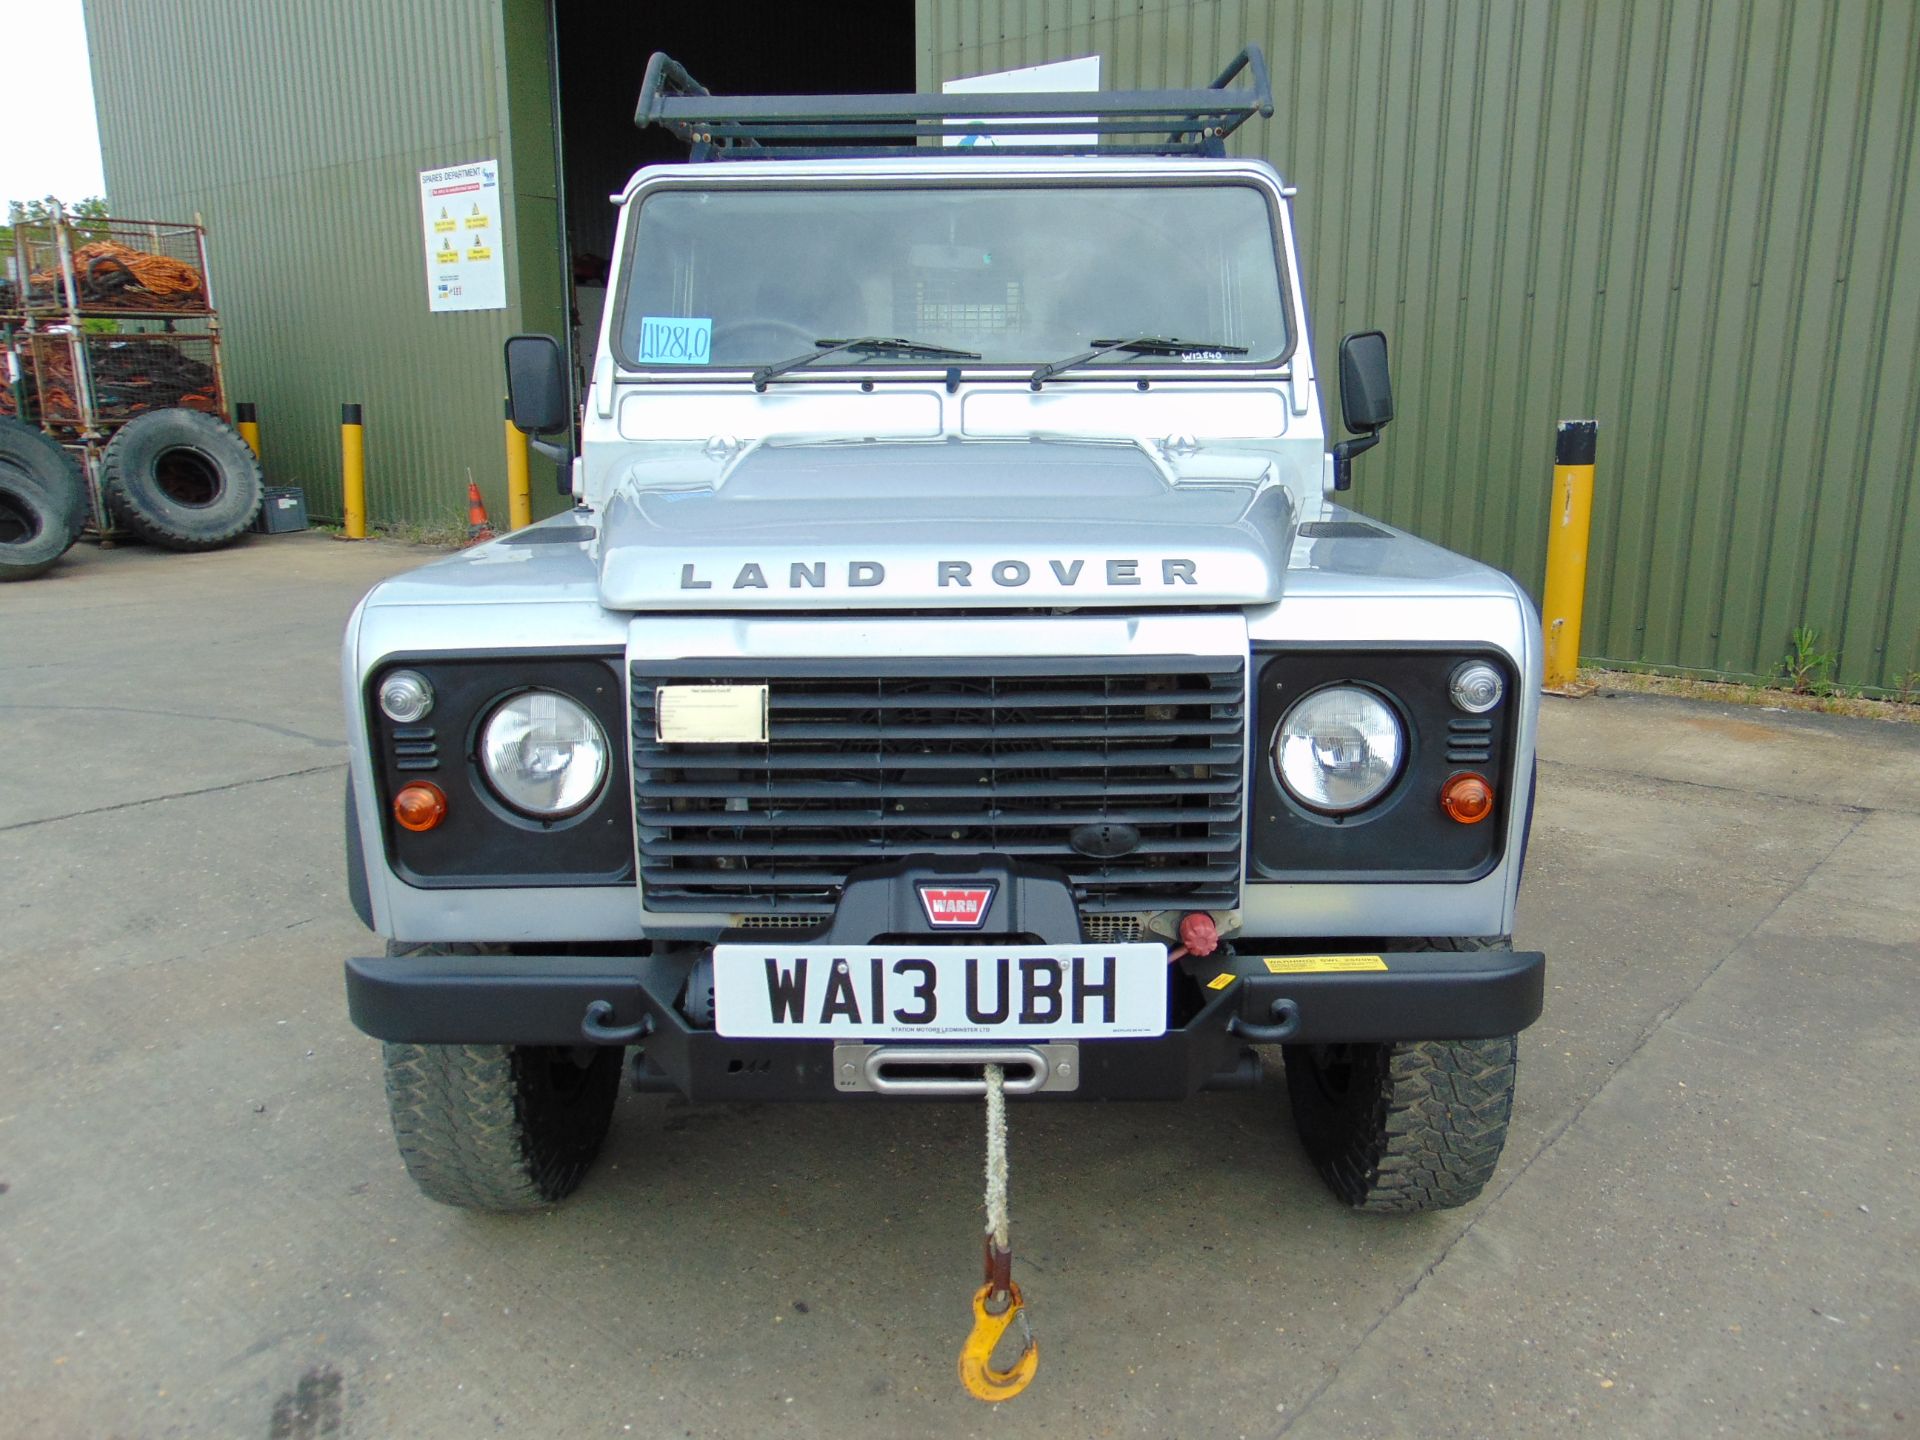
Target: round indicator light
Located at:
point(419, 806)
point(1467, 798)
point(406, 696)
point(1476, 687)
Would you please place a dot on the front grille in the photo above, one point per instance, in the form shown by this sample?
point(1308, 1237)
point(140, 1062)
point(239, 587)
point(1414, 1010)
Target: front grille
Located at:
point(872, 760)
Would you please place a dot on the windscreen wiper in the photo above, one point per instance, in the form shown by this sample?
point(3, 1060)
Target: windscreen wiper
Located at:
point(863, 345)
point(1139, 345)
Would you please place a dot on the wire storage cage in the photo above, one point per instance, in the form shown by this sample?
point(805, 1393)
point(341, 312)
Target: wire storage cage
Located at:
point(11, 303)
point(14, 399)
point(112, 319)
point(107, 266)
point(85, 380)
point(17, 400)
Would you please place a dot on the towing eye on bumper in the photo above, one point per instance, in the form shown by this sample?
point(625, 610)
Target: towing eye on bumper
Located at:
point(997, 1303)
point(1286, 1020)
point(595, 1030)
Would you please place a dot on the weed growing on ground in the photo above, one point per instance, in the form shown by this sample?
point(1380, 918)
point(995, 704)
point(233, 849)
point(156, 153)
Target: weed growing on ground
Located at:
point(1806, 668)
point(1775, 696)
point(443, 536)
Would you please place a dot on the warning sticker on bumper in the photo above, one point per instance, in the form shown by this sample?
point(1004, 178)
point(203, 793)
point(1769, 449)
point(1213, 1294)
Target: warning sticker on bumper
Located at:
point(1322, 964)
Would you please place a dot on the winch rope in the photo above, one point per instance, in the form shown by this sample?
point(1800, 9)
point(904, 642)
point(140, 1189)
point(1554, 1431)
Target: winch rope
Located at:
point(997, 1303)
point(997, 1155)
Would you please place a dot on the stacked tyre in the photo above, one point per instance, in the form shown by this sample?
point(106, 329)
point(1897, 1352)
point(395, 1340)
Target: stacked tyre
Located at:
point(181, 479)
point(43, 502)
point(176, 478)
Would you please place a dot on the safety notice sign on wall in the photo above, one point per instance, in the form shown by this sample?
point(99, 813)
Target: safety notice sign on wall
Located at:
point(460, 211)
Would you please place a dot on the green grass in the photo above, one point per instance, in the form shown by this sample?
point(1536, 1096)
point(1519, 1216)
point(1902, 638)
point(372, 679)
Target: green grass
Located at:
point(1836, 702)
point(441, 536)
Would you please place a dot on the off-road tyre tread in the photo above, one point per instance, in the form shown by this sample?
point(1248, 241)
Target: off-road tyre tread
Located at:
point(474, 1128)
point(47, 465)
point(137, 501)
point(35, 553)
point(1424, 1122)
point(468, 1128)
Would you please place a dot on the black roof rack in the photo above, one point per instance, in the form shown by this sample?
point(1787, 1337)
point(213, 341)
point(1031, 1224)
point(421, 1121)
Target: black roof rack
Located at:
point(786, 127)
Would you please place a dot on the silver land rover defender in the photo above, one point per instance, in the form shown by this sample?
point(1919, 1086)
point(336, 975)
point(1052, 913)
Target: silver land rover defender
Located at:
point(957, 656)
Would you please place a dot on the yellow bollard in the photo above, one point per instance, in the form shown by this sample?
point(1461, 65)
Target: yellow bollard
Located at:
point(1568, 528)
point(246, 419)
point(519, 494)
point(353, 471)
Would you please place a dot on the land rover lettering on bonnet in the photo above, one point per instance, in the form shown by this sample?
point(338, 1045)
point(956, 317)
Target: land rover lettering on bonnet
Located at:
point(1008, 574)
point(960, 672)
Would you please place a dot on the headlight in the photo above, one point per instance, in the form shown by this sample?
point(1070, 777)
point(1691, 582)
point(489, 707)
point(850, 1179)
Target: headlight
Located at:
point(543, 754)
point(1338, 749)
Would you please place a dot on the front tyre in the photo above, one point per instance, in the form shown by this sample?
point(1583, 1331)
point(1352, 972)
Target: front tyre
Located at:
point(500, 1127)
point(1402, 1127)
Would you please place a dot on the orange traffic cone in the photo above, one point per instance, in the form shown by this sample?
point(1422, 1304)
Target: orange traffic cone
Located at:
point(479, 527)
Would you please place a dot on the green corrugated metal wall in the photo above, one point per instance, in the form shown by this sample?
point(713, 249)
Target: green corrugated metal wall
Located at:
point(1696, 223)
point(298, 131)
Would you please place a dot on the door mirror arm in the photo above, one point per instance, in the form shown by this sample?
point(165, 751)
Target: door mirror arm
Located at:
point(1343, 454)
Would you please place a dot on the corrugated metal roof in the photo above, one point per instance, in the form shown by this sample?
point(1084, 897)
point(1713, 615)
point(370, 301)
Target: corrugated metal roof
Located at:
point(1695, 223)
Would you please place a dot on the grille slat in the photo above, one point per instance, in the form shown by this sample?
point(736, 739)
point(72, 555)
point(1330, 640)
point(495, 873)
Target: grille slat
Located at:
point(841, 789)
point(803, 849)
point(656, 819)
point(906, 730)
point(1028, 700)
point(740, 757)
point(1141, 875)
point(875, 759)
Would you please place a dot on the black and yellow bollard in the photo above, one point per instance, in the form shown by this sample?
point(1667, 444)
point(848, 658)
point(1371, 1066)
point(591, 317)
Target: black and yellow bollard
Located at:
point(1569, 526)
point(519, 492)
point(246, 419)
point(353, 471)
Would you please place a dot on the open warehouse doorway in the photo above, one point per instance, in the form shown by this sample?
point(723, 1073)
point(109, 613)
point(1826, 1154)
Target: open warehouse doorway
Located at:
point(600, 50)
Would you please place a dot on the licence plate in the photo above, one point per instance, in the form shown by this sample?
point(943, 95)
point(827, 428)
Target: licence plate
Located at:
point(955, 992)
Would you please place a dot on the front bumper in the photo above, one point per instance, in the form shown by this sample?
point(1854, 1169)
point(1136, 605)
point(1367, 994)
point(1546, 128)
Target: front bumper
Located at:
point(572, 999)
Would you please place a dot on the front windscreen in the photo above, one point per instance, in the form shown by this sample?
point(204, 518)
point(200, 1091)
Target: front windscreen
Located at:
point(742, 276)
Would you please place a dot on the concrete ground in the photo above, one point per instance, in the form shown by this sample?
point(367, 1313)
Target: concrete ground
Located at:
point(1706, 1221)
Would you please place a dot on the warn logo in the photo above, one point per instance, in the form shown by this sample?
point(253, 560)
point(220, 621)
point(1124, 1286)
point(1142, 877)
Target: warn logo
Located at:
point(956, 907)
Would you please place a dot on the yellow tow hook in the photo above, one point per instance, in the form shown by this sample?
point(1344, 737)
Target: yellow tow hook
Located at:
point(983, 1382)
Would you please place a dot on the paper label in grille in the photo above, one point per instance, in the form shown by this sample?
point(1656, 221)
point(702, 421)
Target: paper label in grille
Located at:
point(710, 714)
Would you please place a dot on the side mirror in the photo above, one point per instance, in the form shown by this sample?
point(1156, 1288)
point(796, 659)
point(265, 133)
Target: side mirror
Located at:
point(1366, 391)
point(537, 398)
point(1366, 399)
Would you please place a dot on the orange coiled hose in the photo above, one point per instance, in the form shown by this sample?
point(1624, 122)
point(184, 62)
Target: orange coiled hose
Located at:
point(119, 276)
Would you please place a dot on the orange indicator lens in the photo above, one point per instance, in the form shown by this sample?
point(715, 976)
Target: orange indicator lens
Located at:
point(1467, 798)
point(419, 806)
